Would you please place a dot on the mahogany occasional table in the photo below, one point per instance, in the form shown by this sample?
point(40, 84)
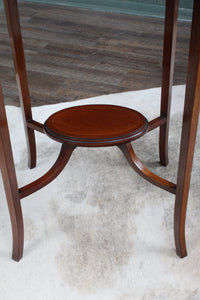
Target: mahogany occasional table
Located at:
point(105, 125)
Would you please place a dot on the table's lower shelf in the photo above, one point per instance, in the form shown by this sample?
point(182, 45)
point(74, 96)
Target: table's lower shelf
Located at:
point(96, 125)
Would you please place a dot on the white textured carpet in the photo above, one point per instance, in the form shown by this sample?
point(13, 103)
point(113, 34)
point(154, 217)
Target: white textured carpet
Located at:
point(99, 231)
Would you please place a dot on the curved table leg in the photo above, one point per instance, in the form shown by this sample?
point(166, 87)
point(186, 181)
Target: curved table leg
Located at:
point(14, 205)
point(138, 166)
point(189, 130)
point(63, 158)
point(10, 184)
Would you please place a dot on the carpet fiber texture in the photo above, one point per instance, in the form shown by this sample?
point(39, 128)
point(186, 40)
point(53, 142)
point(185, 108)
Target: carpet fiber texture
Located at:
point(99, 231)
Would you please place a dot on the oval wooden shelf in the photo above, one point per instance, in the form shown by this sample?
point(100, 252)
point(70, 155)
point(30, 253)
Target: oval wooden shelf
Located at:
point(96, 125)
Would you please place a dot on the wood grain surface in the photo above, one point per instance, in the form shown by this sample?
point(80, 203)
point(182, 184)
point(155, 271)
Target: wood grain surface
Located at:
point(96, 125)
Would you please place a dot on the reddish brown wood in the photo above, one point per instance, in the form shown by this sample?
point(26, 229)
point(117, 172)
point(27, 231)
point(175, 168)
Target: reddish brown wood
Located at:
point(63, 158)
point(35, 126)
point(171, 15)
point(10, 184)
point(14, 29)
point(106, 125)
point(96, 125)
point(189, 129)
point(138, 166)
point(160, 121)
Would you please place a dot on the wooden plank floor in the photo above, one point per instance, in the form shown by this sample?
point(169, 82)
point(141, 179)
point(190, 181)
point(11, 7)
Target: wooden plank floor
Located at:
point(74, 53)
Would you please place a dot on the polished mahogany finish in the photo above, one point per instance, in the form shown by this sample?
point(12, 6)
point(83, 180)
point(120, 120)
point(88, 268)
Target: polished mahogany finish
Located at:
point(138, 166)
point(10, 184)
point(56, 169)
point(169, 48)
point(106, 125)
point(189, 130)
point(96, 125)
point(14, 30)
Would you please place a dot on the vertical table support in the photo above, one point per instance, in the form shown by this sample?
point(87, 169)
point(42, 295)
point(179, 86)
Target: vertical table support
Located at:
point(169, 47)
point(189, 129)
point(10, 184)
point(14, 29)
